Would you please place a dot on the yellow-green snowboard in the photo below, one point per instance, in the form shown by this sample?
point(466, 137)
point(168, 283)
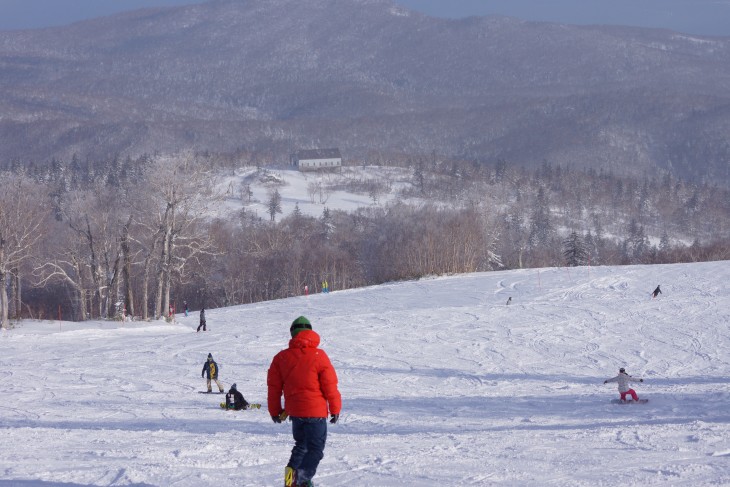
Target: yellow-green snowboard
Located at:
point(250, 406)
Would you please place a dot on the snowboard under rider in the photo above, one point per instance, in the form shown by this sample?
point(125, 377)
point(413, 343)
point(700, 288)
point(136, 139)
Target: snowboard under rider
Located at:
point(623, 380)
point(305, 376)
point(210, 368)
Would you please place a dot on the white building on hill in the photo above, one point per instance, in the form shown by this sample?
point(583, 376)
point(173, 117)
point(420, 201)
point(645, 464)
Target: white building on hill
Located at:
point(312, 160)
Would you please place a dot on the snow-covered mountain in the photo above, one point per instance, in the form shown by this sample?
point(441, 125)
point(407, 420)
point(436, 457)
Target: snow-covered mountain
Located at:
point(443, 383)
point(274, 76)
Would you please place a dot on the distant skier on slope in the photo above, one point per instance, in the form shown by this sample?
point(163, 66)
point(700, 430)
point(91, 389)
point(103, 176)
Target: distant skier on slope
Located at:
point(623, 380)
point(202, 320)
point(211, 369)
point(656, 292)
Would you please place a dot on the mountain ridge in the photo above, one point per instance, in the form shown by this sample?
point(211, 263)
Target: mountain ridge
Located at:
point(274, 75)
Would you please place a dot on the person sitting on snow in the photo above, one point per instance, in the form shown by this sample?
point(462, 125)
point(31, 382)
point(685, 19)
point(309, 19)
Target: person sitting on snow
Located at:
point(235, 400)
point(623, 380)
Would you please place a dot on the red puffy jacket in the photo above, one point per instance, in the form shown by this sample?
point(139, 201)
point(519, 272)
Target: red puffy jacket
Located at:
point(305, 375)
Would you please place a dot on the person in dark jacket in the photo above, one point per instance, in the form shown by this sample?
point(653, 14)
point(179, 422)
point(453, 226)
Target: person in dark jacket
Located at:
point(210, 368)
point(202, 320)
point(305, 376)
point(656, 292)
point(235, 400)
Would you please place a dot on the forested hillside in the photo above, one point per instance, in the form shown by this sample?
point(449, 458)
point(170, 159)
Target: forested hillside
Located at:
point(499, 143)
point(139, 236)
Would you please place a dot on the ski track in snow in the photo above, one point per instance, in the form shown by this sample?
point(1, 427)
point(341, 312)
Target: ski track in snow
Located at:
point(442, 384)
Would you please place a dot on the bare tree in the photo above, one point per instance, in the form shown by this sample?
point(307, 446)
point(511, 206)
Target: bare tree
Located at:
point(319, 189)
point(325, 191)
point(181, 191)
point(313, 190)
point(90, 259)
point(274, 204)
point(22, 216)
point(95, 218)
point(69, 265)
point(124, 244)
point(245, 192)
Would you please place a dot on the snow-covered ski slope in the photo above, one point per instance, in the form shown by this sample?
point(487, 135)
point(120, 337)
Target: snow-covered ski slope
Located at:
point(442, 384)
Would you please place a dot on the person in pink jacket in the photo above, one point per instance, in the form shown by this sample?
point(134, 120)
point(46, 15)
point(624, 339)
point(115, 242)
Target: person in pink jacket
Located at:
point(623, 380)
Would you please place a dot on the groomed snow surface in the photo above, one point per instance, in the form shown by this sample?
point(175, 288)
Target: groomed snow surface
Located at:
point(442, 384)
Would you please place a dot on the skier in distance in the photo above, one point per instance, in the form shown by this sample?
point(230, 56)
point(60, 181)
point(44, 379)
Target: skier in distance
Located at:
point(656, 292)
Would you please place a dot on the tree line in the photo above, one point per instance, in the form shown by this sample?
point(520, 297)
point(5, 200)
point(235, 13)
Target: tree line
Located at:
point(137, 237)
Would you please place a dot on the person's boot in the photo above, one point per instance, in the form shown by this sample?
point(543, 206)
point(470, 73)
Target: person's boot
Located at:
point(290, 477)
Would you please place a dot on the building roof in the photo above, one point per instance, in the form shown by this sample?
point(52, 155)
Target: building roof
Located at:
point(319, 154)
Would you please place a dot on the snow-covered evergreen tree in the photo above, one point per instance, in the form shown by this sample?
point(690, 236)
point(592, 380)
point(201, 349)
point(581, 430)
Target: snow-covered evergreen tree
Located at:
point(274, 205)
point(574, 250)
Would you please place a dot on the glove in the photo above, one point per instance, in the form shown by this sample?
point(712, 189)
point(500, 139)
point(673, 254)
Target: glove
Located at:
point(334, 418)
point(641, 380)
point(281, 417)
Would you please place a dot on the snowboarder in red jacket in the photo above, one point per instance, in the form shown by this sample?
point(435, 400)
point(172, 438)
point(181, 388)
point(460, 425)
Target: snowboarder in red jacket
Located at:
point(305, 376)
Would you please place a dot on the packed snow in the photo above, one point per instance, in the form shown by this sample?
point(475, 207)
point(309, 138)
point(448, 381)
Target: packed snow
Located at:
point(443, 383)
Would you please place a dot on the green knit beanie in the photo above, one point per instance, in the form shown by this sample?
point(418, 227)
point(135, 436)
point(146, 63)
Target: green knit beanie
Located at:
point(298, 325)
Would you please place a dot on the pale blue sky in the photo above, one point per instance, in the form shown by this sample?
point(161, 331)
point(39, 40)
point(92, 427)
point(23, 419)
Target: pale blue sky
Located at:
point(710, 17)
